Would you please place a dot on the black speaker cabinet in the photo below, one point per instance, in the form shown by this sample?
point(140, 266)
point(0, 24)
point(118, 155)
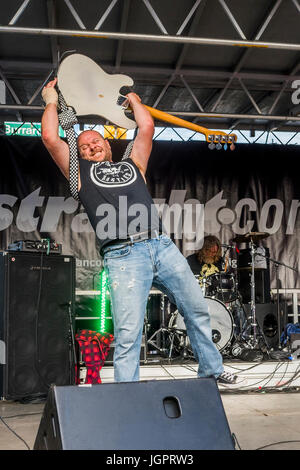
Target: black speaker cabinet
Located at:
point(36, 305)
point(262, 285)
point(266, 317)
point(157, 414)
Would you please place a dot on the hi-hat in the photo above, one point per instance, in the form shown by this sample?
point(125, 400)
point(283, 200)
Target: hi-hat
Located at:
point(250, 236)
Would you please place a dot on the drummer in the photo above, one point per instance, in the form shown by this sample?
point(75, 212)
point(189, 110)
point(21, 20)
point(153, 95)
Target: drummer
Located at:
point(208, 260)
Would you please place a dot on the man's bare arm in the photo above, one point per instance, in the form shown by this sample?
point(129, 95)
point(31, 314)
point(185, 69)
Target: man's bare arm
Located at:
point(143, 142)
point(57, 148)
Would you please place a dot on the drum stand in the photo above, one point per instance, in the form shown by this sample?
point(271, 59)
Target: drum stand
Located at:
point(253, 307)
point(163, 340)
point(159, 339)
point(251, 334)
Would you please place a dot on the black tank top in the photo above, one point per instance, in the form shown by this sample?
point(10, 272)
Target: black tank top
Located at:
point(116, 199)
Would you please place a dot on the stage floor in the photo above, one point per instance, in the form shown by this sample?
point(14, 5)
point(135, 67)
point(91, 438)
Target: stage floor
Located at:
point(263, 410)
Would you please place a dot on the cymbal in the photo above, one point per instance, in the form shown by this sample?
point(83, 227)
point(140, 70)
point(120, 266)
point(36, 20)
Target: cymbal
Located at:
point(247, 237)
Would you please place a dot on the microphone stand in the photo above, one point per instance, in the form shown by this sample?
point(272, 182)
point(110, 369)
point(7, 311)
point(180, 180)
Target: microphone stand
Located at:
point(253, 307)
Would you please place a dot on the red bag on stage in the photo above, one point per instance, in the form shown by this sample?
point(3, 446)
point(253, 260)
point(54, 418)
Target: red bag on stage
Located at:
point(94, 348)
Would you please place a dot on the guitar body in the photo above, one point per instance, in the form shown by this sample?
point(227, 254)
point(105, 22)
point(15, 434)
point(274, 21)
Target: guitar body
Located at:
point(91, 91)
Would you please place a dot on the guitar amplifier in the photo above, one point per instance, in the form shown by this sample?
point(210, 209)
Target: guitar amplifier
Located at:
point(37, 246)
point(36, 309)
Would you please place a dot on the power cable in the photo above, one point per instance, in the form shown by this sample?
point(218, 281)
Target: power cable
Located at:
point(264, 388)
point(14, 432)
point(276, 443)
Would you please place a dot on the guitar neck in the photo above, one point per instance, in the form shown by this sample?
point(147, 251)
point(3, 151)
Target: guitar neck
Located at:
point(211, 136)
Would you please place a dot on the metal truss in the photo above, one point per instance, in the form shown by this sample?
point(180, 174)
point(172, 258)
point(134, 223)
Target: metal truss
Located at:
point(221, 81)
point(250, 137)
point(173, 134)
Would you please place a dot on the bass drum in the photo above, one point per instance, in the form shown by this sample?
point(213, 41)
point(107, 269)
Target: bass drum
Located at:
point(221, 324)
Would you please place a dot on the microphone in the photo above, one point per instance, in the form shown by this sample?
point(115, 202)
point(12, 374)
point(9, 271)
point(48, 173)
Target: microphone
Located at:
point(223, 245)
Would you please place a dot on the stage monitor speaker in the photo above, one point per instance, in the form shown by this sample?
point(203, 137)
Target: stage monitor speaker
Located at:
point(157, 414)
point(36, 314)
point(266, 317)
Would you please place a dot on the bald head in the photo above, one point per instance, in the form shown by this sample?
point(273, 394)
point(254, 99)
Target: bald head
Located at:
point(93, 147)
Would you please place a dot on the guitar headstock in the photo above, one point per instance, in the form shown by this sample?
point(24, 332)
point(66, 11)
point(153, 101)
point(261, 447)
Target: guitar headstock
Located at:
point(217, 138)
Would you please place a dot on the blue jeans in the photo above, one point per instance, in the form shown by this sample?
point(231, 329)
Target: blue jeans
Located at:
point(132, 270)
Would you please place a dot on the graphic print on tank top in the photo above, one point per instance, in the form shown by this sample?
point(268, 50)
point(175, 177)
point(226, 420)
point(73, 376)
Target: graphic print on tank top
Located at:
point(112, 175)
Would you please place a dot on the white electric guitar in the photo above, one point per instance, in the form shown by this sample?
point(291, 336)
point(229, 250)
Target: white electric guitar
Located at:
point(88, 89)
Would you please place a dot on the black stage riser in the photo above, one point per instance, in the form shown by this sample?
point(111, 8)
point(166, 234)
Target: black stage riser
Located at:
point(36, 299)
point(162, 414)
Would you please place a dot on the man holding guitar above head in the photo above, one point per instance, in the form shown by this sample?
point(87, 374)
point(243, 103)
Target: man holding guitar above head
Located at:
point(135, 256)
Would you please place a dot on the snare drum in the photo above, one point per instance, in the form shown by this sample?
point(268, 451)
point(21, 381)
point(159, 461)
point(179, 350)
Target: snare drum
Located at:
point(221, 323)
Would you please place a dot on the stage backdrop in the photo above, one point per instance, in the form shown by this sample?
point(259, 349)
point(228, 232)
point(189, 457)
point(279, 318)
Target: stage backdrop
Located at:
point(225, 193)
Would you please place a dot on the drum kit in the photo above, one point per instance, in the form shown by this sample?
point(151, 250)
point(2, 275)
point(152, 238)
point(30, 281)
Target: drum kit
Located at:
point(171, 339)
point(230, 324)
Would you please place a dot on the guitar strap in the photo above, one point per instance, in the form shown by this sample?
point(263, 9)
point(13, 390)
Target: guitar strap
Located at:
point(128, 150)
point(67, 119)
